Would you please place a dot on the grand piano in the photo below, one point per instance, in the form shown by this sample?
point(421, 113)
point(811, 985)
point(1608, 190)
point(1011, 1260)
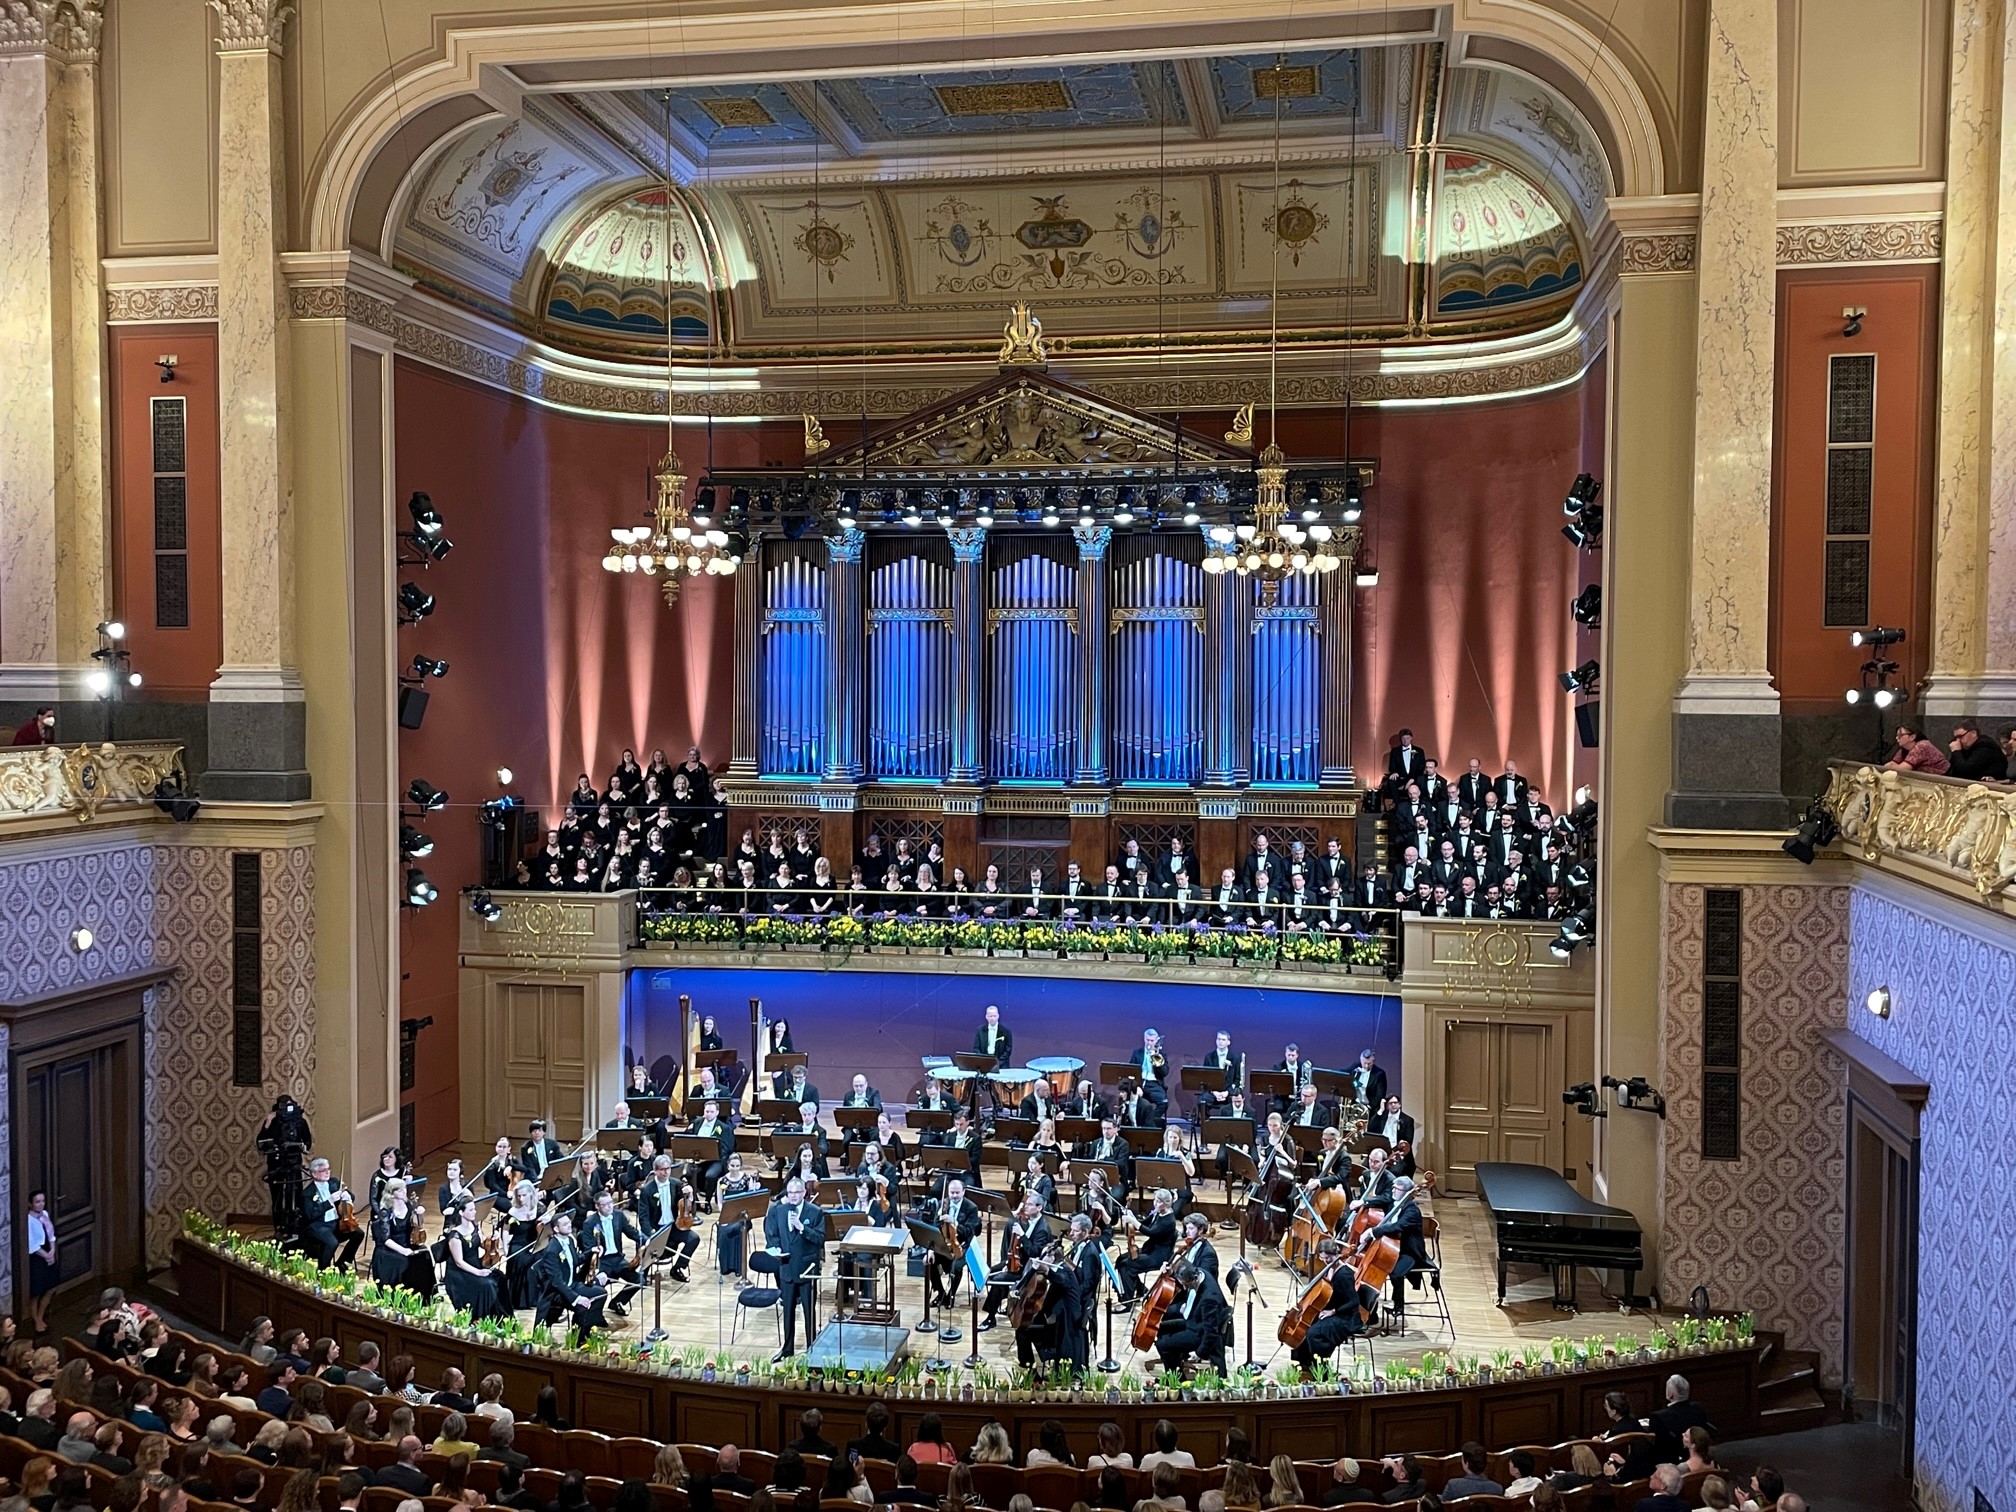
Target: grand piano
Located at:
point(1541, 1220)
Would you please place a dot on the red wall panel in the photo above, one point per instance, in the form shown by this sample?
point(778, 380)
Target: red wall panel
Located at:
point(176, 663)
point(1812, 661)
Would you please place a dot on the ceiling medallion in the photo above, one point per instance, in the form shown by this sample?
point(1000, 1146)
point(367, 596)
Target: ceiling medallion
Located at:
point(1014, 97)
point(1296, 224)
point(822, 241)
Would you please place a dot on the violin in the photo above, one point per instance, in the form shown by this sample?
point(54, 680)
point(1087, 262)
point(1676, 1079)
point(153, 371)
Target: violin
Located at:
point(492, 1254)
point(684, 1220)
point(1015, 1256)
point(347, 1221)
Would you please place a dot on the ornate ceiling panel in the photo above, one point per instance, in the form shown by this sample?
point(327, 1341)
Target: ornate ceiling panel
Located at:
point(1496, 109)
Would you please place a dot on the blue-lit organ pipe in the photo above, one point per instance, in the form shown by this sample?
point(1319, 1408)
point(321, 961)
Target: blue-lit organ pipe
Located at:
point(910, 659)
point(1287, 685)
point(794, 659)
point(1158, 666)
point(1032, 658)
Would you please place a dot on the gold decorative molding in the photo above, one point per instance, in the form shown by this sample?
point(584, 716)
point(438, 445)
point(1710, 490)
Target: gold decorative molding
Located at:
point(1660, 252)
point(67, 30)
point(1909, 239)
point(1241, 433)
point(83, 779)
point(815, 437)
point(1193, 617)
point(998, 617)
point(143, 304)
point(1022, 340)
point(1963, 830)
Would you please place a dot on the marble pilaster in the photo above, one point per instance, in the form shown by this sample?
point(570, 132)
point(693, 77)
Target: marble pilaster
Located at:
point(1725, 770)
point(745, 727)
point(258, 711)
point(1973, 652)
point(843, 656)
point(53, 534)
point(969, 592)
point(1093, 769)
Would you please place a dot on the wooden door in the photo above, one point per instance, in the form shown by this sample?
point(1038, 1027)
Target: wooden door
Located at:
point(1501, 1097)
point(543, 1043)
point(1882, 1279)
point(74, 1138)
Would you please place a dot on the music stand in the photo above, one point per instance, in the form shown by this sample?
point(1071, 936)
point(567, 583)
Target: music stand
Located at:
point(990, 1204)
point(1150, 1167)
point(785, 1060)
point(776, 1110)
point(715, 1058)
point(931, 1239)
point(971, 1060)
point(1306, 1139)
point(1077, 1131)
point(1110, 1169)
point(1110, 1072)
point(648, 1108)
point(1203, 1080)
point(1014, 1129)
point(851, 1119)
point(785, 1144)
point(949, 1159)
point(1232, 1131)
point(1279, 1085)
point(1141, 1141)
point(618, 1141)
point(928, 1120)
point(648, 1256)
point(1337, 1083)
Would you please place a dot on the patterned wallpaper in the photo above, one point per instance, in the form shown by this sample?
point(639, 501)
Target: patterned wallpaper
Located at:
point(1762, 1232)
point(1953, 1022)
point(154, 905)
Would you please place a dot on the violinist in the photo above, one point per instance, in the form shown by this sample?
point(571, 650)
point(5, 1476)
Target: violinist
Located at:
point(398, 1257)
point(1194, 1246)
point(729, 1237)
point(711, 1125)
point(1352, 1310)
point(557, 1283)
point(1176, 1147)
point(964, 1138)
point(455, 1193)
point(539, 1150)
point(524, 1232)
point(605, 1234)
point(1046, 1143)
point(323, 1200)
point(634, 1167)
point(890, 1143)
point(1110, 1147)
point(502, 1170)
point(1097, 1203)
point(809, 1165)
point(1158, 1244)
point(959, 1220)
point(1035, 1182)
point(1197, 1323)
point(1081, 1254)
point(392, 1166)
point(1402, 1223)
point(470, 1283)
point(1334, 1169)
point(795, 1089)
point(1026, 1236)
point(590, 1177)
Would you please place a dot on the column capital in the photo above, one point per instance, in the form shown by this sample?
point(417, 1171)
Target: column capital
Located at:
point(1655, 234)
point(67, 31)
point(1092, 541)
point(969, 543)
point(251, 26)
point(846, 546)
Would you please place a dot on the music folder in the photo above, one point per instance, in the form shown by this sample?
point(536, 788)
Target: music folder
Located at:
point(1271, 1084)
point(716, 1058)
point(747, 1208)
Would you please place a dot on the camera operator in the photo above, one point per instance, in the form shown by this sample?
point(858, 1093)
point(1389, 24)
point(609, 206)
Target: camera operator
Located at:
point(283, 1139)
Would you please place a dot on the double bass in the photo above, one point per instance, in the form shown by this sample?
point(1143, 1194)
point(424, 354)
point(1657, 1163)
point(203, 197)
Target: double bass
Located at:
point(1315, 1221)
point(1267, 1202)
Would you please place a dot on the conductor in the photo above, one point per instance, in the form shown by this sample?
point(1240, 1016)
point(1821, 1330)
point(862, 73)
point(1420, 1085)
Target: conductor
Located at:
point(794, 1240)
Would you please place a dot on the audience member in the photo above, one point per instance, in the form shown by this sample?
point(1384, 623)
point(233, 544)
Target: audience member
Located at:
point(1666, 1497)
point(1915, 753)
point(1974, 756)
point(1165, 1451)
point(1110, 1450)
point(929, 1447)
point(905, 1493)
point(875, 1443)
point(1473, 1481)
point(1284, 1486)
point(1346, 1490)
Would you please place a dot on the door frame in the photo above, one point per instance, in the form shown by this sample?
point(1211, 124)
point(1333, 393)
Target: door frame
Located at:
point(105, 1015)
point(1437, 1019)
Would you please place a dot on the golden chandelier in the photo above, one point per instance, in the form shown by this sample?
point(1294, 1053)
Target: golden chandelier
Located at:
point(674, 543)
point(1271, 549)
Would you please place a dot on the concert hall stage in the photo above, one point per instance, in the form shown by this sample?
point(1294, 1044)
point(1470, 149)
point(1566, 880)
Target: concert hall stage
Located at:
point(883, 1022)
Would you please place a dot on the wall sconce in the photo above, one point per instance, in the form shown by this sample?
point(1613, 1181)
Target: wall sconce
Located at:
point(81, 939)
point(1878, 1002)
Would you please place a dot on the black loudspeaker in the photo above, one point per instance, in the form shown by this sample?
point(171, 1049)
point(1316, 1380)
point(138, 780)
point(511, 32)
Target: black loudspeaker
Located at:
point(1585, 724)
point(412, 707)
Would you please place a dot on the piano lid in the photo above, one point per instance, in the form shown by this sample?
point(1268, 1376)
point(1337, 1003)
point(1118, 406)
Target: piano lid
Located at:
point(1535, 1192)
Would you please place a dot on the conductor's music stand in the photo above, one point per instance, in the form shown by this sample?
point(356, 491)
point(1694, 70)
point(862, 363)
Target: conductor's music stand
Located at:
point(931, 1239)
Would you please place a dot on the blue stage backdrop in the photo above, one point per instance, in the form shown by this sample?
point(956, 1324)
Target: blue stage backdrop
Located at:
point(883, 1023)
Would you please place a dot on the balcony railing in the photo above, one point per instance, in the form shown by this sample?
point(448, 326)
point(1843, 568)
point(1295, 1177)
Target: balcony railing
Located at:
point(84, 780)
point(1958, 832)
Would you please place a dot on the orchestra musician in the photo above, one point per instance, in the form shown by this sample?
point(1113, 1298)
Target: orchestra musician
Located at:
point(1097, 1203)
point(1276, 1145)
point(539, 1150)
point(392, 1166)
point(1353, 1310)
point(1235, 1107)
point(777, 1038)
point(469, 1282)
point(1377, 1190)
point(396, 1259)
point(809, 1163)
point(1080, 1314)
point(640, 1082)
point(1151, 1066)
point(590, 1177)
point(1303, 1072)
point(524, 1234)
point(794, 1240)
point(796, 1089)
point(1368, 1082)
point(934, 1099)
point(1036, 1182)
point(1109, 1146)
point(1138, 1108)
point(1085, 1102)
point(1193, 1245)
point(557, 1282)
point(889, 1142)
point(321, 1194)
point(502, 1170)
point(955, 1214)
point(619, 1118)
point(1391, 1125)
point(605, 1233)
point(1334, 1169)
point(711, 1125)
point(1197, 1324)
point(1402, 1222)
point(963, 1137)
point(1310, 1112)
point(1040, 1102)
point(1222, 1058)
point(1046, 1142)
point(994, 1037)
point(729, 1237)
point(861, 1095)
point(1026, 1236)
point(1046, 1334)
point(454, 1192)
point(1158, 1243)
point(659, 1204)
point(875, 1174)
point(1176, 1147)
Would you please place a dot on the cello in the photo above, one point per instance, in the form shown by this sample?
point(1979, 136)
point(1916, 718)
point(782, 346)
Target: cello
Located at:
point(1313, 1302)
point(1267, 1203)
point(1316, 1222)
point(1160, 1297)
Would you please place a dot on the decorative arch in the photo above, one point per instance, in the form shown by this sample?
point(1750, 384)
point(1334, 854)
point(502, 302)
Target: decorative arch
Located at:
point(606, 274)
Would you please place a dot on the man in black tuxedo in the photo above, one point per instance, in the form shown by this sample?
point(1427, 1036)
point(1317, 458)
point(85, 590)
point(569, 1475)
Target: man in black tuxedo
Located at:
point(605, 1232)
point(1109, 898)
point(1035, 900)
point(1227, 903)
point(1434, 786)
point(1263, 866)
point(1368, 1082)
point(319, 1195)
point(1222, 1058)
point(1074, 899)
point(1400, 825)
point(404, 1474)
point(1141, 898)
point(1467, 902)
point(994, 1038)
point(1510, 786)
point(1110, 1146)
point(1040, 1102)
point(1182, 902)
point(1411, 873)
point(794, 1241)
point(1158, 1243)
point(1375, 890)
point(956, 1209)
point(1134, 862)
point(1333, 866)
point(1472, 785)
point(1403, 1223)
point(1447, 865)
point(1405, 762)
point(1196, 1323)
point(861, 1095)
point(1392, 1125)
point(1505, 839)
point(1671, 1422)
point(1027, 1235)
point(963, 1136)
point(560, 1294)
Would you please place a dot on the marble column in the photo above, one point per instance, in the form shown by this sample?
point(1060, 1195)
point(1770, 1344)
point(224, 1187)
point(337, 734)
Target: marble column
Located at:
point(258, 708)
point(1726, 738)
point(745, 730)
point(969, 603)
point(53, 512)
point(843, 656)
point(1973, 651)
point(1336, 599)
point(1093, 769)
point(1228, 680)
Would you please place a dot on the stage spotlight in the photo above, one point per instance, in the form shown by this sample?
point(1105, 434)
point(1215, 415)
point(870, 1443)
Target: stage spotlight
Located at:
point(1584, 492)
point(703, 504)
point(485, 907)
point(1578, 926)
point(428, 666)
point(414, 843)
point(427, 519)
point(1192, 518)
point(113, 630)
point(1816, 831)
point(1051, 518)
point(1878, 1002)
point(431, 548)
point(985, 518)
point(504, 776)
point(419, 890)
point(1637, 1095)
point(1582, 679)
point(1875, 638)
point(426, 797)
point(414, 604)
point(1586, 1100)
point(172, 801)
point(1588, 606)
point(1586, 527)
point(98, 682)
point(1581, 877)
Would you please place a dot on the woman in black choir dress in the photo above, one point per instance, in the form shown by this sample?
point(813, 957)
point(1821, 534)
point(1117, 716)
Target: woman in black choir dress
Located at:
point(804, 855)
point(858, 895)
point(454, 1191)
point(660, 768)
point(584, 878)
point(729, 1237)
point(809, 1162)
point(891, 1145)
point(604, 826)
point(892, 902)
point(959, 895)
point(925, 900)
point(585, 799)
point(388, 1170)
point(621, 870)
point(774, 854)
point(524, 1237)
point(686, 816)
point(746, 849)
point(680, 899)
point(822, 897)
point(627, 774)
point(555, 880)
point(396, 1259)
point(782, 898)
point(661, 859)
point(470, 1284)
point(990, 900)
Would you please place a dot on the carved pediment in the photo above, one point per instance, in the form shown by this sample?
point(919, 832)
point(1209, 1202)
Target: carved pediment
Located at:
point(1027, 422)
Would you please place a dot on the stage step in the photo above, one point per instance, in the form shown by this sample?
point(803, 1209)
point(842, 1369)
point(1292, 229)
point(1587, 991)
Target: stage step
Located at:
point(1804, 1408)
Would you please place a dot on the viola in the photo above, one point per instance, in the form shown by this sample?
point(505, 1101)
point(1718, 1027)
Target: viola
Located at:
point(1154, 1307)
